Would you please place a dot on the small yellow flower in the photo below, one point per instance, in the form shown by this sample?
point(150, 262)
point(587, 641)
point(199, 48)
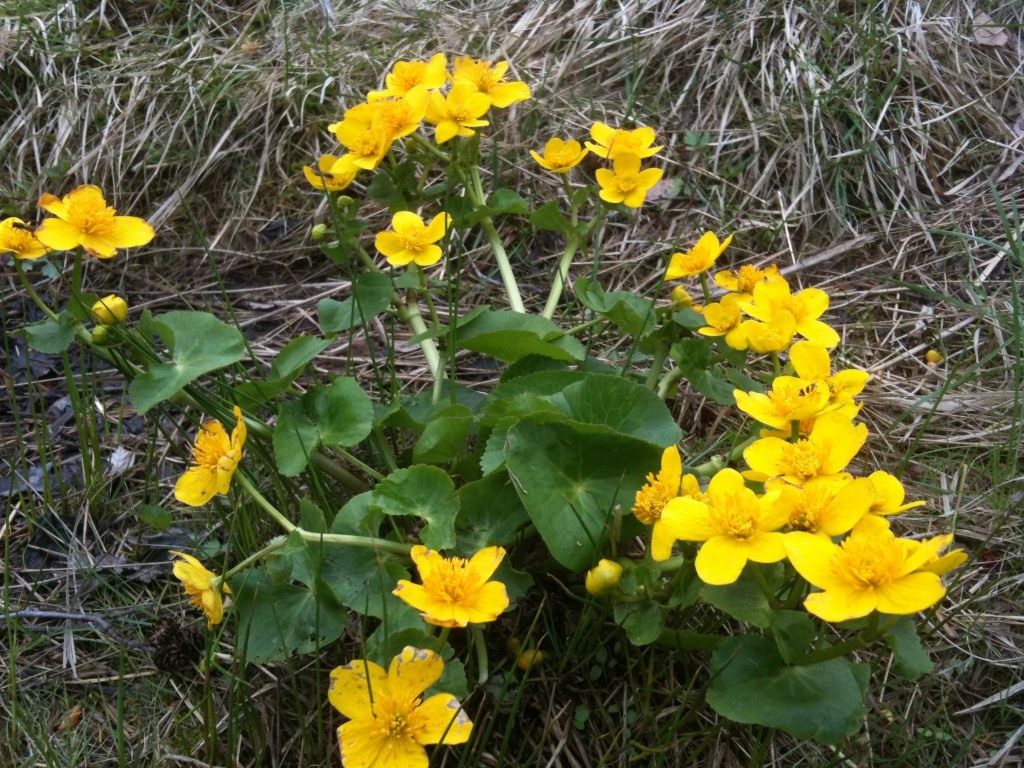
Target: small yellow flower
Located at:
point(773, 335)
point(811, 361)
point(626, 183)
point(490, 79)
point(110, 310)
point(736, 526)
point(831, 445)
point(870, 570)
point(402, 116)
point(17, 237)
point(724, 318)
point(216, 458)
point(698, 259)
point(560, 156)
point(791, 399)
point(770, 297)
point(411, 240)
point(407, 76)
point(603, 577)
point(933, 357)
point(332, 174)
point(610, 142)
point(660, 488)
point(202, 586)
point(886, 493)
point(458, 113)
point(84, 219)
point(362, 134)
point(389, 722)
point(743, 280)
point(455, 591)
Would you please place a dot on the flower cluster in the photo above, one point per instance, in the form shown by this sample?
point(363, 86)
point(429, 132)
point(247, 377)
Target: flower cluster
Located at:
point(625, 182)
point(832, 526)
point(453, 100)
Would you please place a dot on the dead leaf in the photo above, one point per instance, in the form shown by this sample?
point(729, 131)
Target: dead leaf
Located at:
point(987, 33)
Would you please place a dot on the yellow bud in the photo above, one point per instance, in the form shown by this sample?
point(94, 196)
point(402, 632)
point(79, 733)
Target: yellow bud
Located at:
point(680, 298)
point(603, 577)
point(110, 310)
point(933, 357)
point(528, 659)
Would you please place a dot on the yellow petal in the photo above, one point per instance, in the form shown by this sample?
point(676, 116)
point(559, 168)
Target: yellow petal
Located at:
point(365, 745)
point(438, 226)
point(505, 94)
point(721, 560)
point(485, 562)
point(389, 243)
point(817, 331)
point(489, 603)
point(810, 360)
point(687, 519)
point(428, 255)
point(53, 204)
point(59, 235)
point(910, 594)
point(841, 604)
point(354, 686)
point(441, 720)
point(131, 231)
point(196, 487)
point(766, 547)
point(412, 672)
point(812, 557)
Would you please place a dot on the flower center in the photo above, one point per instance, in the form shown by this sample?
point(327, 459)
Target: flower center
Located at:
point(870, 561)
point(651, 499)
point(97, 221)
point(802, 460)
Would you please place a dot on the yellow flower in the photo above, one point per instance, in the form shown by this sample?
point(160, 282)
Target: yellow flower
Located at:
point(83, 218)
point(202, 586)
point(411, 240)
point(933, 357)
point(771, 297)
point(791, 399)
point(455, 592)
point(724, 318)
point(17, 237)
point(611, 142)
point(332, 174)
point(402, 116)
point(458, 113)
point(743, 280)
point(831, 445)
point(659, 488)
point(216, 458)
point(698, 259)
point(870, 570)
point(736, 526)
point(828, 506)
point(811, 361)
point(489, 80)
point(110, 310)
point(560, 156)
point(407, 76)
point(627, 183)
point(603, 577)
point(774, 335)
point(389, 721)
point(362, 134)
point(886, 493)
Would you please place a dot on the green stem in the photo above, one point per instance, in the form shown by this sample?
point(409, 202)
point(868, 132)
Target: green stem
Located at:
point(862, 640)
point(410, 313)
point(275, 543)
point(660, 354)
point(442, 638)
point(31, 291)
point(480, 646)
point(668, 382)
point(475, 188)
point(705, 287)
point(776, 363)
point(360, 465)
point(561, 276)
point(260, 499)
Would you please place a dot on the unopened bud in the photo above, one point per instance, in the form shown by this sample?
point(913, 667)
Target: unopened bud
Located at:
point(528, 659)
point(603, 577)
point(318, 232)
point(110, 310)
point(933, 357)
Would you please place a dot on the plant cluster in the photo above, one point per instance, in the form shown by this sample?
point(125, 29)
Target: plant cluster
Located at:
point(776, 558)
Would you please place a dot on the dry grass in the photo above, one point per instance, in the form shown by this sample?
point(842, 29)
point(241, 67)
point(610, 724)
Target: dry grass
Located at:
point(877, 152)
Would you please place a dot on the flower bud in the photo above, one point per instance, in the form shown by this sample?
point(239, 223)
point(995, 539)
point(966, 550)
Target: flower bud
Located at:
point(318, 232)
point(603, 577)
point(933, 357)
point(528, 659)
point(101, 335)
point(110, 310)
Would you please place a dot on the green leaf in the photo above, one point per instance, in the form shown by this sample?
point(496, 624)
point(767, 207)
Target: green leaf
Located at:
point(154, 516)
point(643, 622)
point(50, 337)
point(911, 658)
point(570, 477)
point(278, 619)
point(490, 513)
point(793, 632)
point(372, 293)
point(311, 517)
point(750, 683)
point(622, 405)
point(288, 364)
point(421, 491)
point(295, 438)
point(444, 436)
point(548, 217)
point(509, 336)
point(744, 600)
point(507, 201)
point(343, 412)
point(633, 314)
point(197, 342)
